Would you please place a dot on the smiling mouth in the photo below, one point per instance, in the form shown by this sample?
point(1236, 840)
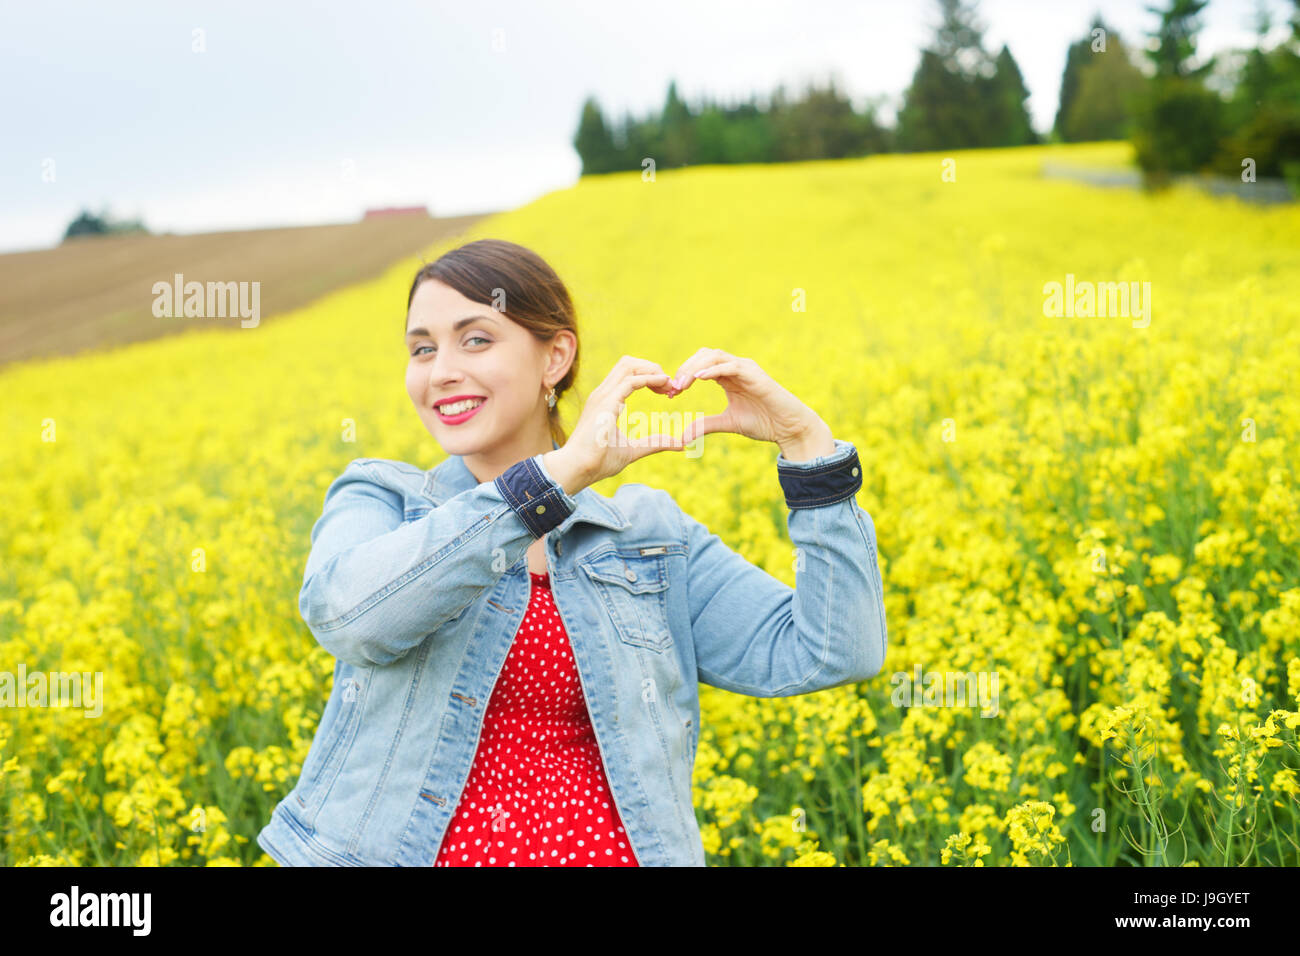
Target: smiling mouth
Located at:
point(467, 410)
point(459, 408)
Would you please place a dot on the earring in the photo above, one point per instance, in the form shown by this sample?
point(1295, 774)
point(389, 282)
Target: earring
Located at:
point(550, 398)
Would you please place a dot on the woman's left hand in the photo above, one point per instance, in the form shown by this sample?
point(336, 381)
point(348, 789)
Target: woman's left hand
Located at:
point(757, 407)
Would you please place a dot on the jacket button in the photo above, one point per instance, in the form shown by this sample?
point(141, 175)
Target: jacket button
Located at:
point(541, 509)
point(855, 473)
point(630, 574)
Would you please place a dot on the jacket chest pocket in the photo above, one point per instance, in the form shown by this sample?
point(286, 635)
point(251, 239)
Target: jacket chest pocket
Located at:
point(633, 590)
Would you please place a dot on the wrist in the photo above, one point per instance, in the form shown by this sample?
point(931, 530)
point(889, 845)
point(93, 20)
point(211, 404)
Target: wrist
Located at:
point(813, 442)
point(568, 474)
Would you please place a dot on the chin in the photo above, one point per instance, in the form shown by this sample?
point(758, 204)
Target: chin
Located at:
point(450, 441)
point(455, 442)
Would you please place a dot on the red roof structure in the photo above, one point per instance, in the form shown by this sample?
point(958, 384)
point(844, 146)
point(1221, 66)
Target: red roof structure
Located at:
point(396, 211)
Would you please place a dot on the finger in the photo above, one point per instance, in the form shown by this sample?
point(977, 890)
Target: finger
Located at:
point(632, 365)
point(734, 368)
point(701, 359)
point(731, 368)
point(650, 372)
point(665, 387)
point(646, 367)
point(706, 425)
point(642, 447)
point(656, 381)
point(720, 356)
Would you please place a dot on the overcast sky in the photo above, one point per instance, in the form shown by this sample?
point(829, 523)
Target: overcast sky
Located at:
point(296, 113)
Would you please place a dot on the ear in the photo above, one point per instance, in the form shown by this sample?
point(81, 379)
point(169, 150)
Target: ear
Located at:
point(562, 350)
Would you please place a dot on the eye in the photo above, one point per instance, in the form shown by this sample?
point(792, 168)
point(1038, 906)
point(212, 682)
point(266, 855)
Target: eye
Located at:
point(472, 338)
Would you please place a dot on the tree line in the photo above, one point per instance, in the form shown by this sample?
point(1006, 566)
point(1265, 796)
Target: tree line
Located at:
point(1183, 114)
point(104, 223)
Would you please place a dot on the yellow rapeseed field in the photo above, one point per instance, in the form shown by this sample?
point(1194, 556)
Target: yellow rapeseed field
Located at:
point(1098, 515)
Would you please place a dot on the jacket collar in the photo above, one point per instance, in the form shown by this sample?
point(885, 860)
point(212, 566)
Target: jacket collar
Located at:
point(451, 476)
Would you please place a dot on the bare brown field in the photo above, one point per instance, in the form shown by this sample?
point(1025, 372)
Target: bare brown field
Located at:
point(96, 292)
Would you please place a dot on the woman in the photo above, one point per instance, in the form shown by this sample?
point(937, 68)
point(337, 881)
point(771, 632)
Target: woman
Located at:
point(517, 656)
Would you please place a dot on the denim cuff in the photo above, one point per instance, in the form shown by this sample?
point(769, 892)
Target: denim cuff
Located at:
point(535, 495)
point(825, 480)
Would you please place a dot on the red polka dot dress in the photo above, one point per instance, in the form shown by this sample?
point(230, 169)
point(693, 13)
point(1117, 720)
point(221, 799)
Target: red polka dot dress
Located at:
point(537, 794)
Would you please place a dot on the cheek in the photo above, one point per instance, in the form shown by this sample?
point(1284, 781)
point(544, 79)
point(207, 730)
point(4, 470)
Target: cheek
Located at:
point(506, 375)
point(414, 383)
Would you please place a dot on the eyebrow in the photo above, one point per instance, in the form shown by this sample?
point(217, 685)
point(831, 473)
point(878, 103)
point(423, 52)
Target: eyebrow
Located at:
point(455, 327)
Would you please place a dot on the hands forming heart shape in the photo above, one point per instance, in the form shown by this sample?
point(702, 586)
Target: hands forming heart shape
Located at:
point(757, 407)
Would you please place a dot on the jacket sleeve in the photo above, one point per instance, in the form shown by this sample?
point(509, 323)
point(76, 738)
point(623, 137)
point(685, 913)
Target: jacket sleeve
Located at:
point(375, 587)
point(754, 634)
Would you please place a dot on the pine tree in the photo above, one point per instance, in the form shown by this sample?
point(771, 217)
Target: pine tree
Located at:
point(1078, 56)
point(1007, 96)
point(1179, 123)
point(1109, 87)
point(1175, 40)
point(593, 141)
point(678, 131)
point(946, 106)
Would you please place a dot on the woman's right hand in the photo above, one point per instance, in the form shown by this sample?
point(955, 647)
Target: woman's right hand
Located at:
point(598, 448)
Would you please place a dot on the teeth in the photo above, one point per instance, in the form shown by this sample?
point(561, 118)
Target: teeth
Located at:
point(458, 407)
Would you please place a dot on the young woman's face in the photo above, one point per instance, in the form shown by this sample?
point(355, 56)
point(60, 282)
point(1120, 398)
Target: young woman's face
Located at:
point(488, 357)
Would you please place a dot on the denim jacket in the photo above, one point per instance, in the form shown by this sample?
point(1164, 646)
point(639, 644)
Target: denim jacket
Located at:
point(418, 580)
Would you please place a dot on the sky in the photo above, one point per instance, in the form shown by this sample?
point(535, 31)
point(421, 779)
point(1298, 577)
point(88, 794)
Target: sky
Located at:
point(201, 116)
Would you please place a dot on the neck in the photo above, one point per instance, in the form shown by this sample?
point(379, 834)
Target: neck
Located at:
point(487, 464)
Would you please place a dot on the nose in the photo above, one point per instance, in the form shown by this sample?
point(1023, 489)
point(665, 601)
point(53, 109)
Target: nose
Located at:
point(442, 374)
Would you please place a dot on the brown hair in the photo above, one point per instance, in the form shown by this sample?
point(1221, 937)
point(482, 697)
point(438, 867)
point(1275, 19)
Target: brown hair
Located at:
point(491, 269)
